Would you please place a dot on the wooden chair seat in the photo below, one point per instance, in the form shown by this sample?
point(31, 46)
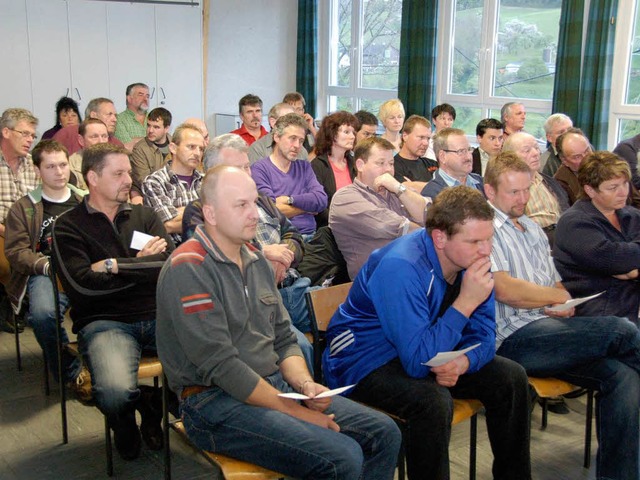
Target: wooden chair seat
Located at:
point(464, 409)
point(551, 387)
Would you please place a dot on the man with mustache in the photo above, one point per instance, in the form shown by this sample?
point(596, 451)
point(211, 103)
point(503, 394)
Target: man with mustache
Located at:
point(169, 190)
point(132, 122)
point(250, 107)
point(111, 283)
point(454, 157)
point(411, 166)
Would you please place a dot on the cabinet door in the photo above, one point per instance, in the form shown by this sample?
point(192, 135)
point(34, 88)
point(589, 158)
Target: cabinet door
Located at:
point(49, 56)
point(88, 51)
point(15, 81)
point(132, 50)
point(180, 61)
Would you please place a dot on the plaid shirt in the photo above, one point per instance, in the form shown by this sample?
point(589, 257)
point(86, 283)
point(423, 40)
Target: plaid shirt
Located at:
point(128, 127)
point(542, 207)
point(13, 187)
point(165, 193)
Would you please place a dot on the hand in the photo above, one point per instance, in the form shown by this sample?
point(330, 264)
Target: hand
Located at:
point(279, 270)
point(311, 389)
point(278, 253)
point(153, 246)
point(564, 314)
point(311, 124)
point(387, 182)
point(447, 374)
point(632, 275)
point(100, 266)
point(317, 418)
point(282, 200)
point(476, 287)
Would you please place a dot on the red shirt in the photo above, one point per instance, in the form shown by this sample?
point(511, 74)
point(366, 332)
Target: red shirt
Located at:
point(246, 136)
point(68, 136)
point(342, 176)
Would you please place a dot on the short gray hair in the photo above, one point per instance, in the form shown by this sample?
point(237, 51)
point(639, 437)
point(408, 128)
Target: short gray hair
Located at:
point(288, 120)
point(11, 117)
point(94, 105)
point(276, 111)
point(211, 156)
point(505, 111)
point(554, 119)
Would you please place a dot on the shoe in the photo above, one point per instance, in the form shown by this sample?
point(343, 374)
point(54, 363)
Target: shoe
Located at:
point(81, 386)
point(576, 393)
point(556, 405)
point(7, 324)
point(150, 408)
point(127, 440)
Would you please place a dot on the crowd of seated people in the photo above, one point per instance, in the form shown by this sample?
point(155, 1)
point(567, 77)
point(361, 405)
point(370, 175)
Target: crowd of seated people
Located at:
point(166, 242)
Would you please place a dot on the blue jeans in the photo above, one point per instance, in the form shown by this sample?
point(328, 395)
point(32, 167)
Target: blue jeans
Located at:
point(293, 299)
point(42, 318)
point(602, 353)
point(366, 447)
point(111, 350)
point(501, 386)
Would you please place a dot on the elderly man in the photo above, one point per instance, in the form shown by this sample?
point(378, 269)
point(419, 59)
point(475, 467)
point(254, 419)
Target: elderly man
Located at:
point(132, 122)
point(554, 126)
point(513, 116)
point(111, 283)
point(428, 292)
point(572, 147)
point(230, 378)
point(90, 132)
point(454, 157)
point(602, 353)
point(410, 165)
point(490, 136)
point(376, 208)
point(547, 198)
point(250, 108)
point(263, 147)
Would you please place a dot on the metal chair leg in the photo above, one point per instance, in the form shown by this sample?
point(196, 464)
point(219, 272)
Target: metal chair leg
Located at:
point(47, 388)
point(17, 337)
point(544, 414)
point(107, 443)
point(473, 438)
point(165, 427)
point(587, 430)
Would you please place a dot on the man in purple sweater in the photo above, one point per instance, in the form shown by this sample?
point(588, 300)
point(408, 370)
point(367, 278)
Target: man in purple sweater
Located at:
point(289, 182)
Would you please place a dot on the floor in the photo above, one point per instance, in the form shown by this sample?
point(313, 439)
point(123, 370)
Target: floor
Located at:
point(31, 440)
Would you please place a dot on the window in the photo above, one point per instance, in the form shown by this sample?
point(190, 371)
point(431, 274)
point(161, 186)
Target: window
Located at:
point(363, 53)
point(625, 95)
point(493, 52)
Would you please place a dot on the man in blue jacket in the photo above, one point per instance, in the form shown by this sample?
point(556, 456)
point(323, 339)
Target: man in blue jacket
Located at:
point(428, 292)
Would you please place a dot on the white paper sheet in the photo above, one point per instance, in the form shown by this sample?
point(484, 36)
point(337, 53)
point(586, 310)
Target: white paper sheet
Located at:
point(569, 304)
point(443, 357)
point(328, 393)
point(139, 240)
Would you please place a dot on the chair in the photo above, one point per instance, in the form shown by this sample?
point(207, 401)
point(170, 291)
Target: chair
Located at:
point(322, 304)
point(150, 367)
point(552, 387)
point(231, 468)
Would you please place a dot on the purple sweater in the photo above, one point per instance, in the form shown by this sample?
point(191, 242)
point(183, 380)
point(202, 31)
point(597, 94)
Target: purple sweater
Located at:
point(299, 182)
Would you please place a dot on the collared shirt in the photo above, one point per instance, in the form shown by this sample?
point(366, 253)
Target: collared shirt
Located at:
point(542, 207)
point(15, 186)
point(268, 228)
point(128, 127)
point(453, 182)
point(248, 137)
point(165, 193)
point(524, 255)
point(484, 159)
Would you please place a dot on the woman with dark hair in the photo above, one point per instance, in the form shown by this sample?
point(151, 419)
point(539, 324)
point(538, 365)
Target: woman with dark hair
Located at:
point(334, 165)
point(596, 248)
point(67, 113)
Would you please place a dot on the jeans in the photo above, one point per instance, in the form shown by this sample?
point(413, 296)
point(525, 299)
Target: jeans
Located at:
point(602, 353)
point(501, 386)
point(293, 299)
point(111, 351)
point(42, 318)
point(366, 446)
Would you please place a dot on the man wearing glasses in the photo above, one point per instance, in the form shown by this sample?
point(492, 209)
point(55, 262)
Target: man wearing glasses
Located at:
point(17, 177)
point(454, 156)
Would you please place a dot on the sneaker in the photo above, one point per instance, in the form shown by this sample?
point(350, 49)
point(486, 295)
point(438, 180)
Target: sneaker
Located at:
point(127, 440)
point(82, 387)
point(556, 405)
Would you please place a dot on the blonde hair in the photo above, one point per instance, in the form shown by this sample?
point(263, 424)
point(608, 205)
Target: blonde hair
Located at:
point(389, 107)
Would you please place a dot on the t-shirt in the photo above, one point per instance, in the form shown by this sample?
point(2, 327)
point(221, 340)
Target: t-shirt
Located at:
point(420, 170)
point(51, 211)
point(342, 176)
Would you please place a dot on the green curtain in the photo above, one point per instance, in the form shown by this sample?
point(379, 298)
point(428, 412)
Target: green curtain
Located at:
point(307, 54)
point(417, 67)
point(566, 87)
point(593, 115)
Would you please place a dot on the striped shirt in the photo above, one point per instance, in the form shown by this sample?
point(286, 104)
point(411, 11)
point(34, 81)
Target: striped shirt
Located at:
point(524, 255)
point(15, 186)
point(542, 207)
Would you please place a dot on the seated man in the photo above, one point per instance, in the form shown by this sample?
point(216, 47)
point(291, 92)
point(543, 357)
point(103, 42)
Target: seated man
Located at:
point(368, 125)
point(291, 184)
point(489, 133)
point(602, 353)
point(554, 126)
point(250, 109)
point(376, 208)
point(28, 248)
point(442, 116)
point(169, 190)
point(628, 150)
point(432, 291)
point(454, 157)
point(111, 284)
point(572, 147)
point(227, 350)
point(410, 165)
point(90, 132)
point(152, 153)
point(298, 103)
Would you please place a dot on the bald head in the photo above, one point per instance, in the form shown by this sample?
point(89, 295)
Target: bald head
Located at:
point(200, 125)
point(526, 147)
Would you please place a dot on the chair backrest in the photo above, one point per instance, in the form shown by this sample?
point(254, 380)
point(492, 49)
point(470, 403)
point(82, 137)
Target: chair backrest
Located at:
point(324, 302)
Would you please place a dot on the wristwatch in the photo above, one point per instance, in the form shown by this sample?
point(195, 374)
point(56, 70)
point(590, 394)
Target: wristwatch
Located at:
point(108, 265)
point(290, 201)
point(401, 190)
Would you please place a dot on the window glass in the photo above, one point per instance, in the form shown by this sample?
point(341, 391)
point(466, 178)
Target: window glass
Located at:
point(633, 77)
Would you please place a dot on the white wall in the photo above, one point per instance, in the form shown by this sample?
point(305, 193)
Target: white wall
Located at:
point(252, 49)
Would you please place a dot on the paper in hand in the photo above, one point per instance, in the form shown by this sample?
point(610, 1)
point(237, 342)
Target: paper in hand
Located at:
point(328, 393)
point(139, 240)
point(443, 357)
point(569, 304)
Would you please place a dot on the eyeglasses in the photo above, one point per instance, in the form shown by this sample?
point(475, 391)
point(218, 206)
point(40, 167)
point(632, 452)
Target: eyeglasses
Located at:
point(25, 134)
point(460, 152)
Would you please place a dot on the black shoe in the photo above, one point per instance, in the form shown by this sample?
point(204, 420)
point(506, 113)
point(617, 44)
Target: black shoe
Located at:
point(556, 405)
point(150, 408)
point(7, 325)
point(127, 440)
point(576, 393)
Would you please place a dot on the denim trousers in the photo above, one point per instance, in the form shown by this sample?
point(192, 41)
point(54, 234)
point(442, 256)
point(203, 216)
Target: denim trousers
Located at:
point(42, 318)
point(293, 299)
point(365, 448)
point(602, 353)
point(501, 386)
point(111, 350)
